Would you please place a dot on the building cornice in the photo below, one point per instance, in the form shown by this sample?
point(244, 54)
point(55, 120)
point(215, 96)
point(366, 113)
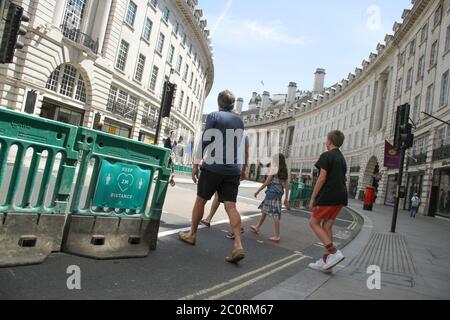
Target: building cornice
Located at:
point(200, 34)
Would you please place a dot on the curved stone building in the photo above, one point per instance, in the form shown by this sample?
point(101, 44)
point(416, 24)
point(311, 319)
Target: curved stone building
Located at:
point(411, 66)
point(86, 60)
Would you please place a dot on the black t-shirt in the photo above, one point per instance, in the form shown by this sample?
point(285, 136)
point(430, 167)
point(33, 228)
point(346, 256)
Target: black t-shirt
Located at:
point(334, 192)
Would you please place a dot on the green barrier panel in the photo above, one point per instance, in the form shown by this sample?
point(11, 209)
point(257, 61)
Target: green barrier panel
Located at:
point(35, 194)
point(115, 217)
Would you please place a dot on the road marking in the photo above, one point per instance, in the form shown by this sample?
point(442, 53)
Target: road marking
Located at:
point(172, 232)
point(254, 280)
point(246, 275)
point(250, 199)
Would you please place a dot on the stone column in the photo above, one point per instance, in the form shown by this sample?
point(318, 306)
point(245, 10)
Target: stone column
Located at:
point(101, 22)
point(58, 14)
point(428, 176)
point(378, 114)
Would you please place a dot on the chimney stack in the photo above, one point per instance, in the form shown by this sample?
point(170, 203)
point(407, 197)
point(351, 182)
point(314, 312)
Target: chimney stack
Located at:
point(239, 105)
point(292, 91)
point(265, 100)
point(319, 81)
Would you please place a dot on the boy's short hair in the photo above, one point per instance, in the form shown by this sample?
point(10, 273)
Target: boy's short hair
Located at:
point(337, 138)
point(226, 100)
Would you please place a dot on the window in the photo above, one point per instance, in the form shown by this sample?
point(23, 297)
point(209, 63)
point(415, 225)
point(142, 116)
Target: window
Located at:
point(123, 54)
point(438, 16)
point(186, 106)
point(153, 3)
point(73, 17)
point(186, 72)
point(368, 90)
point(140, 68)
point(401, 59)
point(409, 79)
point(68, 81)
point(184, 39)
point(447, 40)
point(116, 129)
point(121, 103)
point(191, 79)
point(416, 109)
point(171, 54)
point(421, 68)
point(195, 86)
point(176, 28)
point(180, 102)
point(148, 29)
point(434, 54)
point(424, 34)
point(52, 81)
point(444, 90)
point(412, 48)
point(179, 63)
point(166, 14)
point(69, 84)
point(154, 78)
point(131, 13)
point(430, 99)
point(160, 45)
point(355, 144)
point(399, 88)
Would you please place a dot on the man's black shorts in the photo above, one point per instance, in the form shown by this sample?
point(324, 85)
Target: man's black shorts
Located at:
point(227, 186)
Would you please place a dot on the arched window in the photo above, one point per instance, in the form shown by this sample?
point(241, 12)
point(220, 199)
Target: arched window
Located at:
point(68, 81)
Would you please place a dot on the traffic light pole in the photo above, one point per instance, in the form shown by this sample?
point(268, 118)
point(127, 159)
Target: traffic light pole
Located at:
point(399, 185)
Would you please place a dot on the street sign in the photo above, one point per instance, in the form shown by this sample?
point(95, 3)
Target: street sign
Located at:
point(121, 186)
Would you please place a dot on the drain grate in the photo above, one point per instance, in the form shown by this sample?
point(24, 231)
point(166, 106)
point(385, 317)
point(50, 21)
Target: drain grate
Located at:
point(389, 252)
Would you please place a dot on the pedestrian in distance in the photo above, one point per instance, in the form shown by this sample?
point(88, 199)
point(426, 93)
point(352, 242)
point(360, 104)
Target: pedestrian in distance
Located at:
point(328, 199)
point(415, 204)
point(277, 184)
point(221, 172)
point(171, 144)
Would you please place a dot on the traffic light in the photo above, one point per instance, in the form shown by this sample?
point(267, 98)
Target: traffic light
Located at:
point(12, 30)
point(404, 138)
point(168, 98)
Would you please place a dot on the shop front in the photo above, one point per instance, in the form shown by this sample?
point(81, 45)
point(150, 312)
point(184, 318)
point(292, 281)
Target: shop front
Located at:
point(391, 188)
point(414, 186)
point(353, 187)
point(440, 193)
point(116, 128)
point(146, 137)
point(61, 112)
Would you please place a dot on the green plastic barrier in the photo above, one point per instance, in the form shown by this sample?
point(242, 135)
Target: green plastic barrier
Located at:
point(31, 227)
point(116, 217)
point(299, 192)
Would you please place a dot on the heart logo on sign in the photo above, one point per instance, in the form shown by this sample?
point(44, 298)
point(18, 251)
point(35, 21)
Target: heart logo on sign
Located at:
point(125, 181)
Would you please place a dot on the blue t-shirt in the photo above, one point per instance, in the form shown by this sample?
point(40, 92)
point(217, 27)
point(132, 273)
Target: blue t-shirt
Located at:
point(223, 125)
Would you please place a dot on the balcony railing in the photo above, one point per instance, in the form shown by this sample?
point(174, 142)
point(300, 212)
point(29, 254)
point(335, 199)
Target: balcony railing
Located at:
point(441, 153)
point(417, 160)
point(122, 110)
point(149, 122)
point(81, 38)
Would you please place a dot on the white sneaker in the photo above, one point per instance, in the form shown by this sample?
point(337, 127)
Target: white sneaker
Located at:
point(333, 260)
point(319, 266)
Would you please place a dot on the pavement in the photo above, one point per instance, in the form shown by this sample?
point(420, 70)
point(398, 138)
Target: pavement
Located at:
point(414, 263)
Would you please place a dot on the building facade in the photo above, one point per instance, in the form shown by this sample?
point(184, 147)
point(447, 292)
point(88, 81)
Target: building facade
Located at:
point(91, 61)
point(411, 66)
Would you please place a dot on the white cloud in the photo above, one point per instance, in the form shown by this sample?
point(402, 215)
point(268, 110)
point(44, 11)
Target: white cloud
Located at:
point(273, 32)
point(253, 32)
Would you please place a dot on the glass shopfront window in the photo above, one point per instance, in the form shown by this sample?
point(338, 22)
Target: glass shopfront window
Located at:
point(116, 129)
point(54, 111)
point(414, 186)
point(146, 138)
point(442, 178)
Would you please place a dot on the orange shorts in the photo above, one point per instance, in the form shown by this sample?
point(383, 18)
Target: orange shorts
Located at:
point(327, 213)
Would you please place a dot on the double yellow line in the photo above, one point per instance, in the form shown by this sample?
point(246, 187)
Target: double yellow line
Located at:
point(277, 266)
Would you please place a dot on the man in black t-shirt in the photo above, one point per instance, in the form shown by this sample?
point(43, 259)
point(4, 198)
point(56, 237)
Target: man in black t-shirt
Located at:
point(328, 199)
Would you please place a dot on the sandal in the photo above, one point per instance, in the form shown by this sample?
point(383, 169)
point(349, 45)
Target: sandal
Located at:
point(274, 240)
point(236, 256)
point(254, 230)
point(205, 223)
point(186, 239)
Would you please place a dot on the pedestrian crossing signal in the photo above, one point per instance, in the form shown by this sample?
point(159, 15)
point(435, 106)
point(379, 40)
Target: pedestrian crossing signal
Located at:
point(168, 98)
point(11, 30)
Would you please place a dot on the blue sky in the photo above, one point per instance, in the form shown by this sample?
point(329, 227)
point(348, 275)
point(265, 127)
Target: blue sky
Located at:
point(286, 40)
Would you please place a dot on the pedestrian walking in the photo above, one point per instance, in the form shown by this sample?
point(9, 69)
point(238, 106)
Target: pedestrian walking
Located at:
point(171, 144)
point(415, 204)
point(221, 172)
point(214, 207)
point(328, 199)
point(277, 184)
